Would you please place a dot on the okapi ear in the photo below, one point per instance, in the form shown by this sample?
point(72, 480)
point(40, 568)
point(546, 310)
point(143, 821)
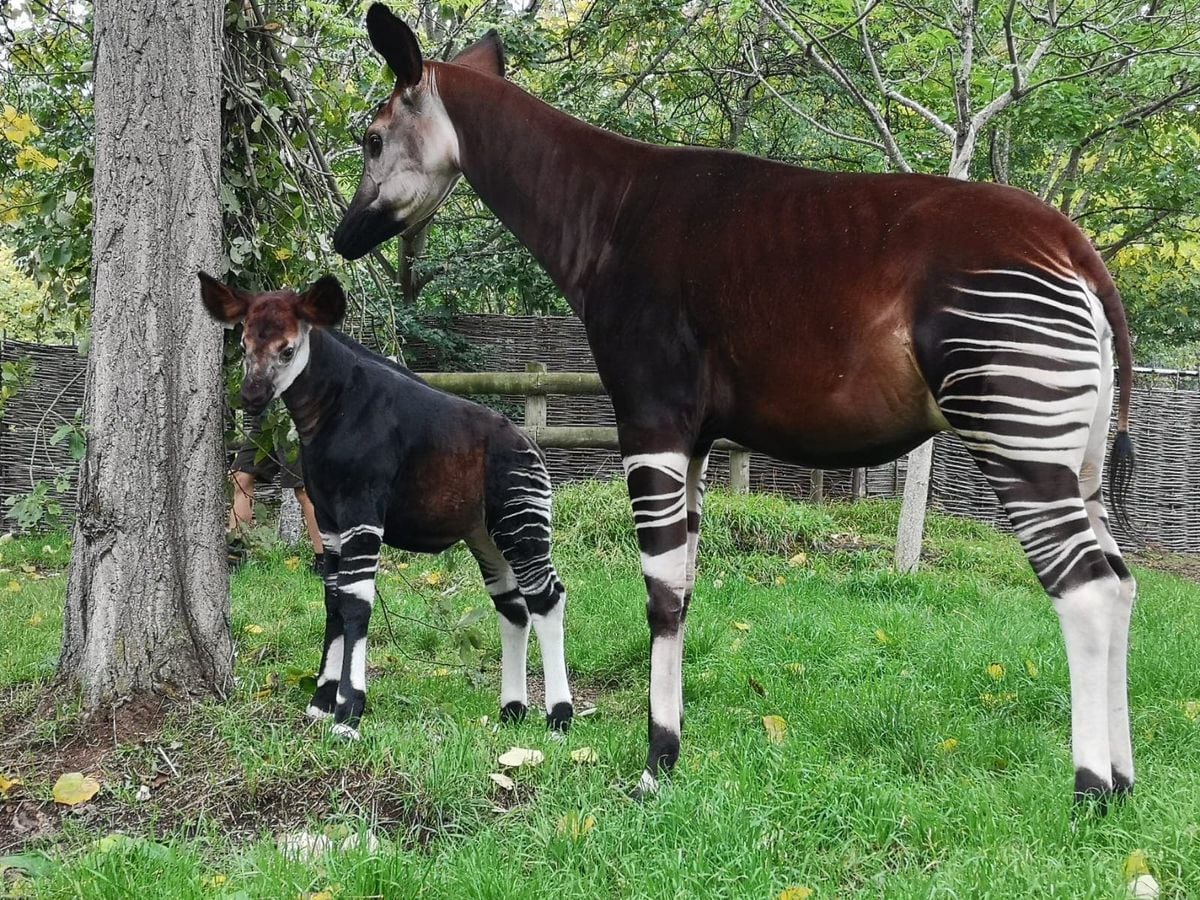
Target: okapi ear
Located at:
point(485, 55)
point(396, 43)
point(225, 304)
point(323, 304)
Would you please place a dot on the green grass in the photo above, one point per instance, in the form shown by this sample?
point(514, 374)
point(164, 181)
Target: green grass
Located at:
point(908, 770)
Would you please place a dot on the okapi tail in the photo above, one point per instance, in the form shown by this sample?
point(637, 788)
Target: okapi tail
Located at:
point(1121, 459)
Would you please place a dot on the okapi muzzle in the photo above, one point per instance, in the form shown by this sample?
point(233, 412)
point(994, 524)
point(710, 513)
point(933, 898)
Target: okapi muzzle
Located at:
point(366, 223)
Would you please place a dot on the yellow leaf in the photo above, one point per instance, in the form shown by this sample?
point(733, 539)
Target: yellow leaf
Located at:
point(33, 158)
point(516, 757)
point(28, 569)
point(575, 825)
point(441, 672)
point(995, 671)
point(18, 127)
point(991, 701)
point(780, 581)
point(949, 745)
point(74, 788)
point(795, 893)
point(882, 636)
point(253, 629)
point(742, 626)
point(292, 563)
point(1136, 864)
point(1191, 709)
point(776, 727)
point(320, 895)
point(795, 668)
point(14, 587)
point(798, 560)
point(7, 784)
point(585, 755)
point(433, 579)
point(214, 881)
point(283, 253)
point(36, 619)
point(402, 565)
point(1031, 668)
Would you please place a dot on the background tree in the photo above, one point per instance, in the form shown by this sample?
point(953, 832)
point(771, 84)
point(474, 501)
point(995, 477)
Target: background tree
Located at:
point(147, 601)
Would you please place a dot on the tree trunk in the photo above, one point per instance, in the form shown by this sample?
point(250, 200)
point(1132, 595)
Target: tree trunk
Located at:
point(147, 600)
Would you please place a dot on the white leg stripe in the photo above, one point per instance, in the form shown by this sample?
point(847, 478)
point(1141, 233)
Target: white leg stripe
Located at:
point(514, 641)
point(554, 665)
point(665, 660)
point(333, 662)
point(358, 665)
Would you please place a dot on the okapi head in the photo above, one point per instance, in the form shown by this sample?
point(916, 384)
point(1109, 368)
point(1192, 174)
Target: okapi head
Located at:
point(410, 150)
point(275, 331)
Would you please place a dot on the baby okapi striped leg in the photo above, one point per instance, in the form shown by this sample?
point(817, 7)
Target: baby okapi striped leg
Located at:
point(501, 585)
point(518, 522)
point(696, 484)
point(658, 493)
point(329, 673)
point(358, 563)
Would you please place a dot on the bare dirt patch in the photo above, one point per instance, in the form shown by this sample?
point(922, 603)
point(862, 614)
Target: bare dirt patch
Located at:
point(1179, 564)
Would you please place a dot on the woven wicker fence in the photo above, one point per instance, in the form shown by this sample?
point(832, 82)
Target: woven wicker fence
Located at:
point(1165, 508)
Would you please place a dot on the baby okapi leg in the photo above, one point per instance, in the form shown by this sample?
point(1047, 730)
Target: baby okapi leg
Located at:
point(518, 519)
point(358, 564)
point(330, 671)
point(657, 491)
point(513, 616)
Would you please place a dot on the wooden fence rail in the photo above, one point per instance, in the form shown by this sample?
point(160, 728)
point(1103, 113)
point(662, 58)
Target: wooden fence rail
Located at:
point(536, 383)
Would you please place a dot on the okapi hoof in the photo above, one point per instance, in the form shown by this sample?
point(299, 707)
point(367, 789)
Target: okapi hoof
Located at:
point(1122, 788)
point(513, 711)
point(345, 732)
point(1091, 791)
point(646, 787)
point(559, 717)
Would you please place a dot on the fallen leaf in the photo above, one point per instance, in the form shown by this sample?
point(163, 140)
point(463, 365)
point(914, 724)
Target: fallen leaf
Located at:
point(796, 562)
point(143, 794)
point(253, 629)
point(742, 626)
point(585, 755)
point(319, 895)
point(34, 865)
point(28, 569)
point(1191, 709)
point(292, 563)
point(268, 688)
point(718, 584)
point(756, 686)
point(74, 788)
point(303, 845)
point(36, 619)
point(8, 784)
point(1136, 864)
point(949, 745)
point(780, 581)
point(882, 636)
point(776, 727)
point(795, 893)
point(1031, 668)
point(521, 756)
point(575, 825)
point(995, 671)
point(433, 579)
point(503, 781)
point(14, 587)
point(214, 881)
point(796, 668)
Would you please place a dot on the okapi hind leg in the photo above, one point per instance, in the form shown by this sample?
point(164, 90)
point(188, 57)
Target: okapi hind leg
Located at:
point(519, 521)
point(513, 616)
point(358, 563)
point(329, 673)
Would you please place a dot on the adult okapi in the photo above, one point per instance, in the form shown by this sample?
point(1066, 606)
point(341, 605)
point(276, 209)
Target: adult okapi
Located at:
point(828, 319)
point(389, 459)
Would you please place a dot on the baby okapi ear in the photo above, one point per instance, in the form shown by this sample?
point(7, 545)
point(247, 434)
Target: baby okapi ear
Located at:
point(485, 55)
point(225, 304)
point(396, 43)
point(323, 304)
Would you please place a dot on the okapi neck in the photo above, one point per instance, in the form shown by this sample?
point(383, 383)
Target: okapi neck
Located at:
point(312, 399)
point(557, 183)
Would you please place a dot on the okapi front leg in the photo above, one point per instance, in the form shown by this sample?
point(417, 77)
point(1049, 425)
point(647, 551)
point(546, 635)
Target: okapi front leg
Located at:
point(329, 674)
point(657, 491)
point(358, 564)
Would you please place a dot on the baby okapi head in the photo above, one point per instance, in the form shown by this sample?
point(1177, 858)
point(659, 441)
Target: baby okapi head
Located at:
point(275, 330)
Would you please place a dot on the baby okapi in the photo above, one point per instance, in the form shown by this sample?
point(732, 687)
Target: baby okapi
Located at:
point(389, 459)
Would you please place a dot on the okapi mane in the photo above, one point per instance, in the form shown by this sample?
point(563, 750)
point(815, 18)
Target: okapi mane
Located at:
point(359, 350)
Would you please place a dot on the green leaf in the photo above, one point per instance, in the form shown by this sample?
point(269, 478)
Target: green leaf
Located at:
point(33, 865)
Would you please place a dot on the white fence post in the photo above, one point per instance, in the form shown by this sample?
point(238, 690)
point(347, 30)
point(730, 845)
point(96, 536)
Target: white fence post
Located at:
point(291, 520)
point(535, 403)
point(739, 471)
point(912, 511)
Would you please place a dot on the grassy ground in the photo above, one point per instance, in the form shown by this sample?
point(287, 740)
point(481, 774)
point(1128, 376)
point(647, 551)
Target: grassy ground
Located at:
point(926, 751)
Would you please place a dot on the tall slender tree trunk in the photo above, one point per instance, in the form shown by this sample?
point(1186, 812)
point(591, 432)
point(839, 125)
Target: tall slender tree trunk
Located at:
point(147, 599)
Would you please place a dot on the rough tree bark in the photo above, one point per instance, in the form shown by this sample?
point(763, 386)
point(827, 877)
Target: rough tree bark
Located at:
point(147, 600)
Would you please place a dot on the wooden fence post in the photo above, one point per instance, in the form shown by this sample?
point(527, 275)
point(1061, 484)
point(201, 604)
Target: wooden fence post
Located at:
point(912, 511)
point(739, 471)
point(818, 486)
point(535, 403)
point(858, 483)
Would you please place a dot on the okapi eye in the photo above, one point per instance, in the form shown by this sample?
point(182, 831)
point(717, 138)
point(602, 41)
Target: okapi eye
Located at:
point(287, 354)
point(374, 145)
